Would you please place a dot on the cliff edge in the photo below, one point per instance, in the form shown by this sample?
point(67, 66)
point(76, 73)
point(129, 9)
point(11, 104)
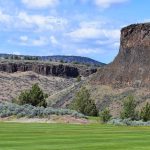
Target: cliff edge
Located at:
point(131, 67)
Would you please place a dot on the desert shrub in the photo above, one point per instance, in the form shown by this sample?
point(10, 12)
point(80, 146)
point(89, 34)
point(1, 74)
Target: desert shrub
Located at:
point(84, 104)
point(129, 106)
point(105, 115)
point(145, 113)
point(75, 62)
point(117, 122)
point(34, 96)
point(128, 122)
point(21, 114)
point(61, 61)
point(11, 109)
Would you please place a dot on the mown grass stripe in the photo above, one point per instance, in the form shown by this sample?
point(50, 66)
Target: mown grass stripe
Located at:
point(37, 136)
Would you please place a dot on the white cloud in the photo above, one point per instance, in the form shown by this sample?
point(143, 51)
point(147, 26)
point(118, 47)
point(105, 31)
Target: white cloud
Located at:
point(53, 40)
point(116, 45)
point(26, 41)
point(23, 20)
point(85, 33)
point(16, 53)
point(42, 41)
point(93, 24)
point(95, 30)
point(94, 33)
point(103, 42)
point(41, 22)
point(108, 3)
point(4, 18)
point(38, 4)
point(23, 38)
point(85, 51)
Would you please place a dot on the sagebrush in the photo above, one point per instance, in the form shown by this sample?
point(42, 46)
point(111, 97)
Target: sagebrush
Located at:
point(11, 109)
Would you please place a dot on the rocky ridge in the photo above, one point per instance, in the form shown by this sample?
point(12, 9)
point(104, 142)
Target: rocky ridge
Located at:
point(131, 67)
point(62, 70)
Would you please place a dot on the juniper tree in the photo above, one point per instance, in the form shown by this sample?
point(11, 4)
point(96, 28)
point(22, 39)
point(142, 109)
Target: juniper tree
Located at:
point(84, 104)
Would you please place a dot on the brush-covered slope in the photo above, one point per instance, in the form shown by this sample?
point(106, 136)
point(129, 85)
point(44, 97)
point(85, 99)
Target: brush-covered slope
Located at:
point(55, 58)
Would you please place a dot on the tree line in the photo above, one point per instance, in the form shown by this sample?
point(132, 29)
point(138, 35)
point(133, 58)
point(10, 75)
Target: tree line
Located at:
point(83, 103)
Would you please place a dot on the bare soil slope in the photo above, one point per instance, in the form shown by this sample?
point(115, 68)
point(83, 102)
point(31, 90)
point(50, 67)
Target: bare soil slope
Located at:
point(11, 84)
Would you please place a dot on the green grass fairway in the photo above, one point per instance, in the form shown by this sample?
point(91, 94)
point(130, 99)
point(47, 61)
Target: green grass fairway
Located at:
point(15, 136)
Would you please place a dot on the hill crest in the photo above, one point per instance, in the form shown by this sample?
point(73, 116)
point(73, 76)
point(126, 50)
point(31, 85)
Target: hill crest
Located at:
point(57, 58)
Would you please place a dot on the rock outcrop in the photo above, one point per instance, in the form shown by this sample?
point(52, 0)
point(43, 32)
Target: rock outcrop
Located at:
point(132, 64)
point(43, 69)
point(62, 70)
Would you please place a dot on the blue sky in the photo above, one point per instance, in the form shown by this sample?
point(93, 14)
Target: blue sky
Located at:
point(67, 27)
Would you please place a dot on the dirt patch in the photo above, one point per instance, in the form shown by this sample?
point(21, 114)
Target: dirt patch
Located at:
point(52, 119)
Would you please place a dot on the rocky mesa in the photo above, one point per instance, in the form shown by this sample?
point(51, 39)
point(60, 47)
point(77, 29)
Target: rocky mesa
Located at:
point(62, 70)
point(131, 67)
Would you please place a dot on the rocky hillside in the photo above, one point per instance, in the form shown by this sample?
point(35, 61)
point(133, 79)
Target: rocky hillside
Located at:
point(54, 69)
point(128, 74)
point(58, 80)
point(11, 84)
point(131, 67)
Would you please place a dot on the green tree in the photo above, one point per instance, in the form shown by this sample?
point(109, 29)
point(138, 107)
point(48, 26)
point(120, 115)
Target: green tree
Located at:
point(11, 57)
point(75, 62)
point(6, 57)
point(105, 115)
point(145, 113)
point(17, 57)
point(129, 106)
point(84, 104)
point(61, 61)
point(34, 96)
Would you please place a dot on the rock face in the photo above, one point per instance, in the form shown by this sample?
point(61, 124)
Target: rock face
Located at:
point(43, 69)
point(132, 64)
point(62, 70)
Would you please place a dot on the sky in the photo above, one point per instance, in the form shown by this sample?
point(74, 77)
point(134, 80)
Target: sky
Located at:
point(89, 28)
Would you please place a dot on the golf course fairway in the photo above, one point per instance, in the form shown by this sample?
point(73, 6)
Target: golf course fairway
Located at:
point(42, 136)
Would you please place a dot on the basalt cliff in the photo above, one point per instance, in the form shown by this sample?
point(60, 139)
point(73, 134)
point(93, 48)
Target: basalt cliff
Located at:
point(54, 69)
point(131, 67)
